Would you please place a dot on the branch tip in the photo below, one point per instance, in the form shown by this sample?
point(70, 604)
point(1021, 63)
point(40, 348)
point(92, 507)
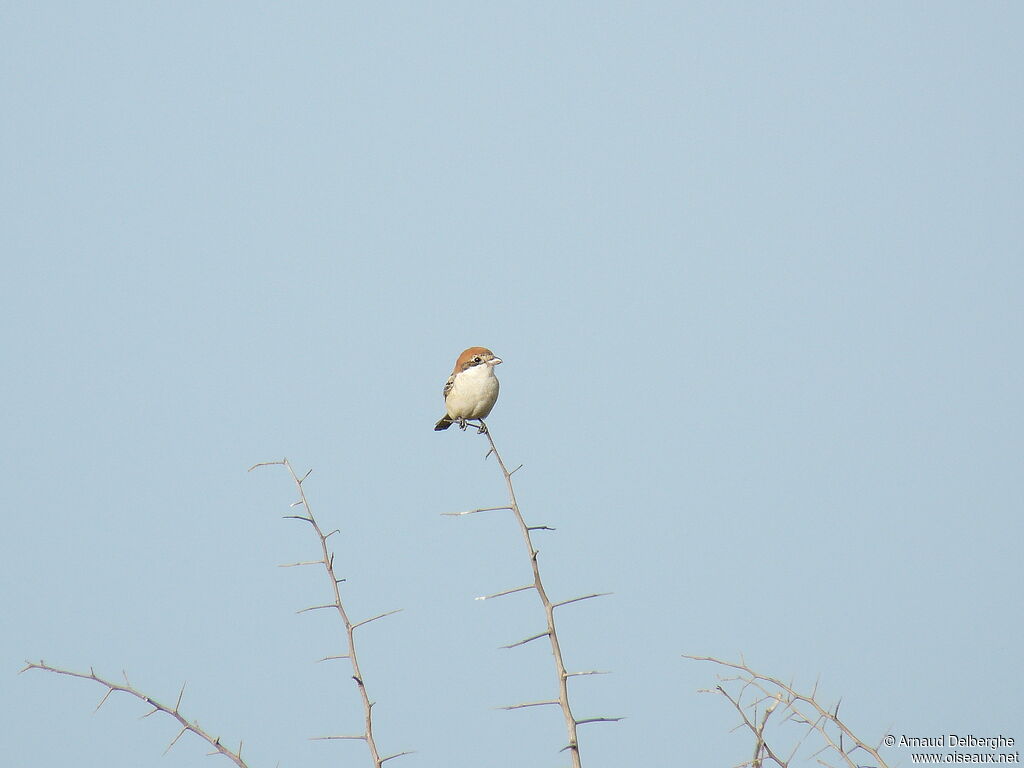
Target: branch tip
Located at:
point(175, 739)
point(103, 700)
point(267, 464)
point(545, 633)
point(506, 592)
point(378, 616)
point(578, 599)
point(392, 757)
point(530, 704)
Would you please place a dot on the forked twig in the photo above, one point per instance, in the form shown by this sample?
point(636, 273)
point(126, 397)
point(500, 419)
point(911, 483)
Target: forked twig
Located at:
point(818, 719)
point(186, 726)
point(327, 561)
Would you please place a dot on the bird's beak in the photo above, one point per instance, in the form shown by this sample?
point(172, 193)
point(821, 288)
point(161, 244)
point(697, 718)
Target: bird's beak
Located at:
point(494, 361)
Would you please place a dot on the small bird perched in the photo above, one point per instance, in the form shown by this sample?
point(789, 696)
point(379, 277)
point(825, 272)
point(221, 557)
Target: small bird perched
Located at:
point(471, 390)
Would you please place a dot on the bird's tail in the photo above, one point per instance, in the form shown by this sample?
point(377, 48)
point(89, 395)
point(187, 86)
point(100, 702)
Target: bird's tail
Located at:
point(444, 423)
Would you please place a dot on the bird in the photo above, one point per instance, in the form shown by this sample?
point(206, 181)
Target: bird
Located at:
point(471, 390)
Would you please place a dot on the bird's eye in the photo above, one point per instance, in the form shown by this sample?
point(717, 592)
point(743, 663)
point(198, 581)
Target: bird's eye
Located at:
point(476, 359)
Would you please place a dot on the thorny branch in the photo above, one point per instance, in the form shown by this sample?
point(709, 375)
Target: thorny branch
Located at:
point(549, 610)
point(186, 726)
point(327, 561)
point(748, 690)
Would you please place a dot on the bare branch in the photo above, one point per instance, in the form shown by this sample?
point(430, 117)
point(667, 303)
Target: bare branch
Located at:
point(397, 754)
point(531, 704)
point(317, 607)
point(577, 599)
point(175, 739)
point(473, 511)
point(823, 721)
point(327, 561)
point(379, 616)
point(538, 586)
point(180, 694)
point(528, 639)
point(186, 726)
point(506, 592)
point(107, 696)
point(268, 464)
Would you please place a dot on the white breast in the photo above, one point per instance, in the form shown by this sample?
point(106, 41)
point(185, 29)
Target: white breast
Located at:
point(473, 394)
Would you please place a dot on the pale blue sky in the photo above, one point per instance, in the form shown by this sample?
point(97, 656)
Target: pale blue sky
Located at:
point(756, 274)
